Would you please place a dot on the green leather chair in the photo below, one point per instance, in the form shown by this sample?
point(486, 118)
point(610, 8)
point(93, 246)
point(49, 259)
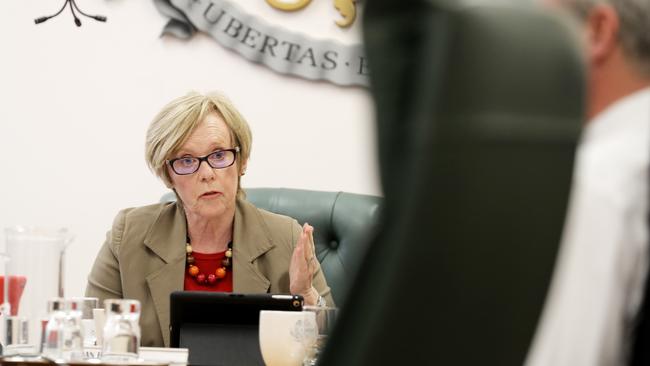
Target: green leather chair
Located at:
point(343, 225)
point(478, 111)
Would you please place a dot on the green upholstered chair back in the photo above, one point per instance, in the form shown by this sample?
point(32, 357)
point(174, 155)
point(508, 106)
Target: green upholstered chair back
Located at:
point(478, 109)
point(343, 225)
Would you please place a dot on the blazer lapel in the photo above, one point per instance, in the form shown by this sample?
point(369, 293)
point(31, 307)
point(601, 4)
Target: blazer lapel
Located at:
point(251, 239)
point(165, 239)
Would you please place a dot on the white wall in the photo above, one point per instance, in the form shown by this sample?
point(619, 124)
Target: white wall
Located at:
point(75, 104)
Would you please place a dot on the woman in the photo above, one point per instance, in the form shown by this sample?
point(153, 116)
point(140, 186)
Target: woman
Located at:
point(211, 238)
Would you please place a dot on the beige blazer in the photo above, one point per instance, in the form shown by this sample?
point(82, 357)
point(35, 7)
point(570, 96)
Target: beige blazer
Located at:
point(143, 258)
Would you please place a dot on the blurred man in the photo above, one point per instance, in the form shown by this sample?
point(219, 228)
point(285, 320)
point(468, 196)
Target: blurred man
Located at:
point(593, 304)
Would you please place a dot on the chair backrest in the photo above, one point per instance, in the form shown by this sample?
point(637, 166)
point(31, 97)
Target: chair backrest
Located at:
point(479, 109)
point(343, 225)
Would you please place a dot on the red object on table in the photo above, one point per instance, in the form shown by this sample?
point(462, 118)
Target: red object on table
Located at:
point(16, 287)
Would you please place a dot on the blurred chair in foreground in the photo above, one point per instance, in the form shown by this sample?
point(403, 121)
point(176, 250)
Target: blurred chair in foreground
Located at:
point(479, 110)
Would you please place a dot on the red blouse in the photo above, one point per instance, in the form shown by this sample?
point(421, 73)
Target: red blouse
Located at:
point(208, 263)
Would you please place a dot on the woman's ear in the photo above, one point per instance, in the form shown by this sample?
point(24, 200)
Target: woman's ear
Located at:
point(602, 33)
point(168, 179)
point(242, 169)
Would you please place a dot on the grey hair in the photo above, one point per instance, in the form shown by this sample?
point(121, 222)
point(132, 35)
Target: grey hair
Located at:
point(634, 31)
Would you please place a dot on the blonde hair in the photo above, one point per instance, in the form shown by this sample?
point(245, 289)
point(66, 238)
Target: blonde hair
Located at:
point(177, 120)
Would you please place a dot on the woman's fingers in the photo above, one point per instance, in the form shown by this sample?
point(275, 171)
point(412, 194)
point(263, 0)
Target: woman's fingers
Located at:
point(307, 238)
point(298, 252)
point(302, 268)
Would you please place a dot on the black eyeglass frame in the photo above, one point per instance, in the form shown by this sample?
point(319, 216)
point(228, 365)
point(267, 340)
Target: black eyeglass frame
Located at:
point(235, 150)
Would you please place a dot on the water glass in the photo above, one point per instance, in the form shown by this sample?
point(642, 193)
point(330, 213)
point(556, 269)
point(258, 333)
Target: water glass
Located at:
point(63, 332)
point(99, 319)
point(15, 335)
point(52, 343)
point(121, 331)
point(73, 330)
point(88, 320)
point(315, 339)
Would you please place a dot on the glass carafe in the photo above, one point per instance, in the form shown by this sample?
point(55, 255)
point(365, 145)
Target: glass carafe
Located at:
point(33, 275)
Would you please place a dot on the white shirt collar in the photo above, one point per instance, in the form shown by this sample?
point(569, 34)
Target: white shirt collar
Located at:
point(623, 112)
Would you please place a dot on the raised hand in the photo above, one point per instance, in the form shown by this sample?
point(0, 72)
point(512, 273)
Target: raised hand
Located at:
point(303, 265)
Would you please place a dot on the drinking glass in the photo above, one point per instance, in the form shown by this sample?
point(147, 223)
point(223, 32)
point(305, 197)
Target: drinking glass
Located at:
point(15, 334)
point(88, 320)
point(73, 341)
point(99, 319)
point(324, 320)
point(121, 331)
point(63, 332)
point(52, 344)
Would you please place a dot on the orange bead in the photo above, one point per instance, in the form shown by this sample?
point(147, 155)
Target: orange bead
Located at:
point(220, 272)
point(193, 271)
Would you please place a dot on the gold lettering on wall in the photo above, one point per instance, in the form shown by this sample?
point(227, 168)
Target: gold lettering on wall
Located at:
point(348, 11)
point(288, 6)
point(346, 8)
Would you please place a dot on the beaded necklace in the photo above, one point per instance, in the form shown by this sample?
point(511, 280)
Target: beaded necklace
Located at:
point(210, 279)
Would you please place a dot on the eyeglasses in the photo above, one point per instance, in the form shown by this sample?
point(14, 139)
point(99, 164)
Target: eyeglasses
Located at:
point(217, 160)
